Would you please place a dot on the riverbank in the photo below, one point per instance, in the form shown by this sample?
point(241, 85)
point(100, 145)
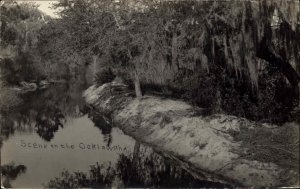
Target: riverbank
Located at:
point(218, 148)
point(10, 95)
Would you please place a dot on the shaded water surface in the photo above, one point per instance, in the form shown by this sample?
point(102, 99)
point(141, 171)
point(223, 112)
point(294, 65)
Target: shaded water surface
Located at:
point(54, 140)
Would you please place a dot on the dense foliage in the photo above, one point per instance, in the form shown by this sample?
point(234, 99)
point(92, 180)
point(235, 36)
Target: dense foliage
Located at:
point(236, 57)
point(20, 24)
point(10, 172)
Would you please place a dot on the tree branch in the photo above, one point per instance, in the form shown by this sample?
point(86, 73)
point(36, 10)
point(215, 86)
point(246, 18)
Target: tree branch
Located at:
point(266, 53)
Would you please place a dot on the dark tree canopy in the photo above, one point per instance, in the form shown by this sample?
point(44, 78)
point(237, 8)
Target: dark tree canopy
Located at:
point(237, 56)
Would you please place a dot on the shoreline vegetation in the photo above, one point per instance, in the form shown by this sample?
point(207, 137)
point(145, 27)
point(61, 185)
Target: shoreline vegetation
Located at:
point(218, 147)
point(10, 95)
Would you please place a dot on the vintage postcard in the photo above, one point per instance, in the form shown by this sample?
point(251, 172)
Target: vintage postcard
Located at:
point(149, 93)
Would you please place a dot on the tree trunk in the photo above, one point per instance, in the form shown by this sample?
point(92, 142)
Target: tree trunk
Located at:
point(137, 85)
point(1, 17)
point(290, 73)
point(218, 108)
point(1, 147)
point(266, 53)
point(0, 29)
point(299, 96)
point(138, 93)
point(136, 152)
point(26, 36)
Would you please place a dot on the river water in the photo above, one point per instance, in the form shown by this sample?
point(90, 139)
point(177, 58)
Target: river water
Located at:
point(54, 140)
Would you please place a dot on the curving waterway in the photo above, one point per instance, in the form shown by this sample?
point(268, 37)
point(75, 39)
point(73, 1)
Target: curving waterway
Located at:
point(53, 140)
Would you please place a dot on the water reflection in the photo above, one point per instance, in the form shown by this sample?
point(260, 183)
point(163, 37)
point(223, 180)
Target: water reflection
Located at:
point(43, 112)
point(10, 172)
point(103, 124)
point(48, 122)
point(7, 129)
point(44, 163)
point(147, 170)
point(59, 116)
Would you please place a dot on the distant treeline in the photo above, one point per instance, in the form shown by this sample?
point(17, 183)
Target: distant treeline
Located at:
point(235, 57)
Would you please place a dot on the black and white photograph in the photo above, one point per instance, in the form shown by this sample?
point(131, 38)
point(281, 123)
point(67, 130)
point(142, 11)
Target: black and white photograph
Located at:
point(149, 93)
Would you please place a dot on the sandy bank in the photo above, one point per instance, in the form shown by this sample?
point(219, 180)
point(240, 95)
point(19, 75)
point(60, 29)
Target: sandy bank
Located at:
point(206, 144)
